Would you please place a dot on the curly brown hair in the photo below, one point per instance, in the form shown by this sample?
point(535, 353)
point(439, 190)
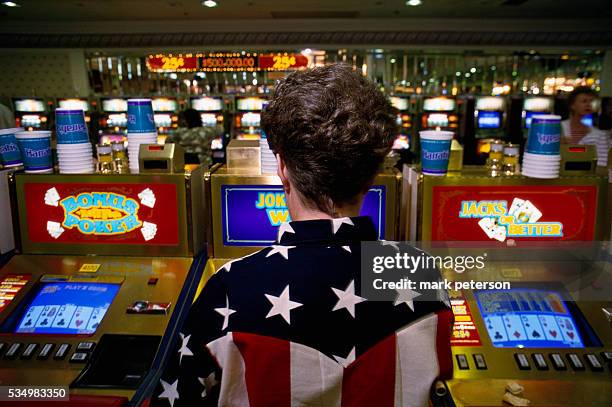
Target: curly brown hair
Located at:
point(333, 128)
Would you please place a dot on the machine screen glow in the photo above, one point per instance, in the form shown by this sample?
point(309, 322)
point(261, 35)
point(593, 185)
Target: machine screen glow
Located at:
point(438, 105)
point(74, 104)
point(399, 103)
point(587, 120)
point(528, 318)
point(114, 105)
point(29, 105)
point(250, 104)
point(489, 120)
point(68, 308)
point(207, 104)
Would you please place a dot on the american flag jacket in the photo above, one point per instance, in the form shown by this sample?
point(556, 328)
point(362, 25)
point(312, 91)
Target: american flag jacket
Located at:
point(286, 326)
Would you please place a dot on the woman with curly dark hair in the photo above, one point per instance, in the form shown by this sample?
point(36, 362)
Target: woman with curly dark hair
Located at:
point(287, 326)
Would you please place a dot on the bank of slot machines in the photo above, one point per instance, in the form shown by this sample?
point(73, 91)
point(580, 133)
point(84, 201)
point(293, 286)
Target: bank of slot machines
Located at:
point(247, 118)
point(113, 120)
point(165, 114)
point(78, 104)
point(31, 113)
point(490, 120)
point(439, 113)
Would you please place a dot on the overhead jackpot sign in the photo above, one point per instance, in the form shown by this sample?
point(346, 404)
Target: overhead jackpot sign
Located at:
point(102, 213)
point(502, 213)
point(225, 62)
point(251, 214)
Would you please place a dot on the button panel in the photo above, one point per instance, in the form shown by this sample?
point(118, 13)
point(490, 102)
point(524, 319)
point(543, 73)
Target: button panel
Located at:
point(522, 361)
point(12, 350)
point(29, 351)
point(62, 351)
point(462, 361)
point(575, 362)
point(45, 351)
point(79, 357)
point(557, 361)
point(593, 362)
point(479, 360)
point(607, 356)
point(85, 346)
point(539, 361)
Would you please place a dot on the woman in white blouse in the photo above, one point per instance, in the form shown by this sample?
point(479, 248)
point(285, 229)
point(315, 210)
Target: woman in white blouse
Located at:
point(574, 131)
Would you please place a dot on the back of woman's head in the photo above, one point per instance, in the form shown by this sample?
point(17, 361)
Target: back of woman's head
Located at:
point(333, 128)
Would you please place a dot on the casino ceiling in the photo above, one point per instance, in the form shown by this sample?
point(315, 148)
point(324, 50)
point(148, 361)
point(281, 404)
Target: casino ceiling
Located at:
point(173, 23)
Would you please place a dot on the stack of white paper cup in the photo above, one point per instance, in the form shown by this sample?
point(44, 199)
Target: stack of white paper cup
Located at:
point(74, 151)
point(268, 159)
point(134, 142)
point(141, 129)
point(542, 158)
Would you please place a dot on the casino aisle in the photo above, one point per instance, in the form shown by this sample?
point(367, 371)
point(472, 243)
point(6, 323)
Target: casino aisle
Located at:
point(134, 166)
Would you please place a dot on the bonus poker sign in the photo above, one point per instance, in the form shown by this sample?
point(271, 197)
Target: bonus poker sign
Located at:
point(102, 213)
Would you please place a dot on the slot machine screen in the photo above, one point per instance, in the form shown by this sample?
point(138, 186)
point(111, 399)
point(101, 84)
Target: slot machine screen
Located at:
point(207, 104)
point(30, 105)
point(532, 318)
point(250, 120)
point(164, 105)
point(587, 120)
point(437, 119)
point(399, 103)
point(162, 119)
point(209, 119)
point(250, 104)
point(438, 105)
point(489, 120)
point(528, 117)
point(72, 308)
point(114, 105)
point(74, 104)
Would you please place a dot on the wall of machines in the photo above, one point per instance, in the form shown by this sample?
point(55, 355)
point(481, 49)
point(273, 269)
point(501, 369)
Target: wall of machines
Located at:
point(92, 299)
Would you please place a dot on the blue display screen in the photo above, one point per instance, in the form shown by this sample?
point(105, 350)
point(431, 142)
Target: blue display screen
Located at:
point(68, 308)
point(528, 318)
point(251, 214)
point(587, 120)
point(528, 117)
point(489, 120)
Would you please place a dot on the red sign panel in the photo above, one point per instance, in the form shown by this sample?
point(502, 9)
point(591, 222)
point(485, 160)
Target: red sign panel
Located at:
point(169, 63)
point(502, 213)
point(465, 332)
point(105, 213)
point(280, 62)
point(10, 285)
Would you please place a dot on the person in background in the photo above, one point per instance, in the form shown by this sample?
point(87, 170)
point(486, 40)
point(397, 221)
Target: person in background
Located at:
point(287, 326)
point(573, 131)
point(7, 120)
point(195, 139)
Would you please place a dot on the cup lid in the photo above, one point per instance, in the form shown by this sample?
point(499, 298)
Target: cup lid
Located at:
point(33, 134)
point(546, 117)
point(11, 130)
point(436, 134)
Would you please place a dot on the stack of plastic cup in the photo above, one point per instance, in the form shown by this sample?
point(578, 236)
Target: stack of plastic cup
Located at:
point(74, 151)
point(10, 156)
point(268, 159)
point(542, 158)
point(35, 147)
point(435, 151)
point(141, 129)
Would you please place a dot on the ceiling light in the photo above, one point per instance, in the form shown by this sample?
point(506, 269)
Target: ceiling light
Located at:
point(210, 3)
point(414, 3)
point(10, 4)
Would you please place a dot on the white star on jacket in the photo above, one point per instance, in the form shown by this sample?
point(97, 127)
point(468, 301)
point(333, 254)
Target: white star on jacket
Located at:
point(170, 392)
point(337, 222)
point(407, 297)
point(284, 227)
point(225, 312)
point(350, 358)
point(282, 305)
point(184, 350)
point(347, 298)
point(282, 250)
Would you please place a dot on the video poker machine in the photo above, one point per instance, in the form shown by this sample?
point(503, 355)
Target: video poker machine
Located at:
point(440, 113)
point(490, 118)
point(77, 103)
point(113, 120)
point(165, 113)
point(106, 270)
point(546, 339)
point(245, 210)
point(211, 111)
point(247, 119)
point(31, 113)
point(536, 105)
